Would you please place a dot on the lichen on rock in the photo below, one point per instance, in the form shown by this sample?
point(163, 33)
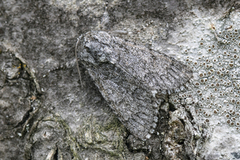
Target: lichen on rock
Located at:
point(213, 94)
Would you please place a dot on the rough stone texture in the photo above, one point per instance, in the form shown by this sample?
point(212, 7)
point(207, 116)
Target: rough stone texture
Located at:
point(214, 93)
point(46, 114)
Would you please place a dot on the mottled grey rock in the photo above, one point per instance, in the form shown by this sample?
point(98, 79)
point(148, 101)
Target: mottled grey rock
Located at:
point(46, 114)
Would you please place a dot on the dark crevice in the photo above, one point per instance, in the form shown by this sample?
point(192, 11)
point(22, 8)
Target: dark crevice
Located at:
point(29, 123)
point(180, 142)
point(21, 70)
point(187, 157)
point(190, 116)
point(182, 122)
point(55, 157)
point(25, 118)
point(171, 107)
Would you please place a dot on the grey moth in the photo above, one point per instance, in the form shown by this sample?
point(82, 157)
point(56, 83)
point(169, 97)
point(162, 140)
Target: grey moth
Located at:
point(130, 77)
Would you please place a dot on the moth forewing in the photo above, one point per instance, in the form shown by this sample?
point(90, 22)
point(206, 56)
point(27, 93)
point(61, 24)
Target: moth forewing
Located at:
point(129, 76)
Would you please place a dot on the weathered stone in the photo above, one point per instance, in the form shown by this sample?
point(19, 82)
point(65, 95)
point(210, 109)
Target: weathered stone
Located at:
point(46, 114)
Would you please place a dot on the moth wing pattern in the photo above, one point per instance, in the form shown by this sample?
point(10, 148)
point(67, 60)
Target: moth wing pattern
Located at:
point(154, 70)
point(127, 75)
point(134, 107)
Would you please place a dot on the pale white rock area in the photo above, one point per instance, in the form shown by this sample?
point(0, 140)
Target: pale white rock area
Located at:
point(210, 45)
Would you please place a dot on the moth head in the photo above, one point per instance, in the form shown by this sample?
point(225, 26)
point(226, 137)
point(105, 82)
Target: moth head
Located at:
point(96, 48)
point(94, 51)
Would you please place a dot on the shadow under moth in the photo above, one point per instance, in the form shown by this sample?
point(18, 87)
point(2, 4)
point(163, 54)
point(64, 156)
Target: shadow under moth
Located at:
point(130, 77)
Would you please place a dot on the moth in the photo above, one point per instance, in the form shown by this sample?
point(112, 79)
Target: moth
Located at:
point(130, 77)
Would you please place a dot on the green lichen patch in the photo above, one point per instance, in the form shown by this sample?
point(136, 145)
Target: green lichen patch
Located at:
point(107, 137)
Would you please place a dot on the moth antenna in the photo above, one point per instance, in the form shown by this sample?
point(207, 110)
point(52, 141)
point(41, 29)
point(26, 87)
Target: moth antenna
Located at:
point(79, 72)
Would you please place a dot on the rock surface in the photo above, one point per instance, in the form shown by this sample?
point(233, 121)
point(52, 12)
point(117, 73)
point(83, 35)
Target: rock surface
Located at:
point(46, 114)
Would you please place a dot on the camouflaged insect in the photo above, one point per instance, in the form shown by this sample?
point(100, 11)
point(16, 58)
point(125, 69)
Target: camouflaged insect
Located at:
point(129, 77)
